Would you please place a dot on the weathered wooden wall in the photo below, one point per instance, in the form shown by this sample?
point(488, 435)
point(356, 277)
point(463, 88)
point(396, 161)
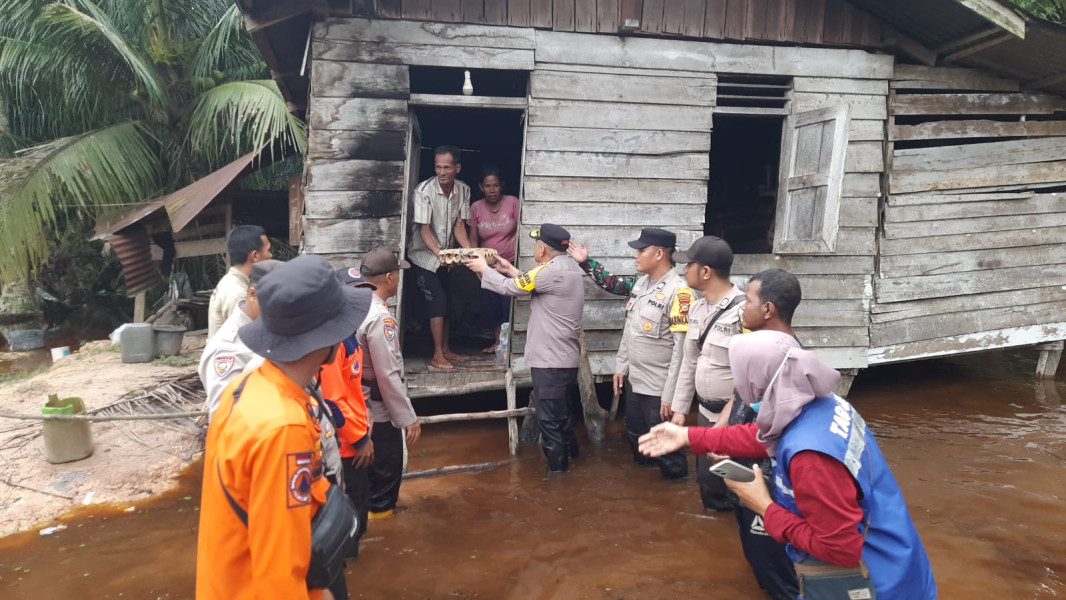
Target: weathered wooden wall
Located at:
point(628, 149)
point(973, 254)
point(832, 22)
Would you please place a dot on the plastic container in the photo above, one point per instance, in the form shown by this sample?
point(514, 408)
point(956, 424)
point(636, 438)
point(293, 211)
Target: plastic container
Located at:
point(25, 339)
point(66, 441)
point(60, 352)
point(138, 343)
point(168, 339)
point(504, 345)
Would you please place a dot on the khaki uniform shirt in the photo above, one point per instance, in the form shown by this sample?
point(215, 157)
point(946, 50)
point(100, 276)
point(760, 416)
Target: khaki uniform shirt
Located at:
point(379, 335)
point(706, 370)
point(557, 299)
point(231, 290)
point(653, 337)
point(433, 208)
point(225, 357)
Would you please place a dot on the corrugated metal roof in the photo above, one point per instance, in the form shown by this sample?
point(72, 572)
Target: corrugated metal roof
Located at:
point(134, 250)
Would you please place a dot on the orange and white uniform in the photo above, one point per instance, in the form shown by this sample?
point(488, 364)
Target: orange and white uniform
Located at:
point(342, 384)
point(263, 455)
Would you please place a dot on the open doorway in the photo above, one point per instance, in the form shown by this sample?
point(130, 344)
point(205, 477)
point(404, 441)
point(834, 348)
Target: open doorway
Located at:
point(742, 191)
point(485, 136)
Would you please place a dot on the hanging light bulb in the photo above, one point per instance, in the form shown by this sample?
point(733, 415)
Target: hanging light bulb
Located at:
point(468, 88)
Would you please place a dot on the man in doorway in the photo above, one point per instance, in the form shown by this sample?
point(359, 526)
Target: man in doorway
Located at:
point(441, 208)
point(553, 346)
point(225, 356)
point(247, 245)
point(652, 338)
point(383, 383)
point(263, 476)
point(712, 322)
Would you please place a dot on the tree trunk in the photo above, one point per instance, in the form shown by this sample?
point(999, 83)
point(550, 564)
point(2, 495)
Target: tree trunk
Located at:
point(18, 308)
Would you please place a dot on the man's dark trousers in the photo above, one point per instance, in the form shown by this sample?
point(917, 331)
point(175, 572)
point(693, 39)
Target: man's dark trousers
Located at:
point(642, 413)
point(551, 390)
point(387, 469)
point(712, 487)
point(357, 487)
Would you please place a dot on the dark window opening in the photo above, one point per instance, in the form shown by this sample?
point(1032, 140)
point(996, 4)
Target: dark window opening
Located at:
point(484, 137)
point(742, 191)
point(486, 82)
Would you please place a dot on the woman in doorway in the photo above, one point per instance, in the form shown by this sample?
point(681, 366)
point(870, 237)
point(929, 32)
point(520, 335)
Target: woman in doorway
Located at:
point(837, 505)
point(493, 223)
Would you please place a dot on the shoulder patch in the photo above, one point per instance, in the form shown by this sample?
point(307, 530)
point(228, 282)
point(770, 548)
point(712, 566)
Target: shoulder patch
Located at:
point(679, 309)
point(528, 280)
point(299, 475)
point(389, 324)
point(223, 365)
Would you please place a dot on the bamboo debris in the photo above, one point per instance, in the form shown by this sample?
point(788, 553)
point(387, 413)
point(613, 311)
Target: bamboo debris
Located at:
point(449, 470)
point(492, 414)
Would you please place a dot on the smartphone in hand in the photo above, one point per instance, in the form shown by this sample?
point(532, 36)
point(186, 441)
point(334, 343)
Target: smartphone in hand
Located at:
point(735, 471)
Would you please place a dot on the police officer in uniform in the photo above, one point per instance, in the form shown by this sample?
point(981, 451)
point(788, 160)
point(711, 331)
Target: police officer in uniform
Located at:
point(263, 475)
point(553, 344)
point(652, 338)
point(383, 383)
point(712, 322)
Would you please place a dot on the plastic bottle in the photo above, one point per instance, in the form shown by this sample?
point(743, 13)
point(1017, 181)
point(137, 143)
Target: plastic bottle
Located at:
point(502, 347)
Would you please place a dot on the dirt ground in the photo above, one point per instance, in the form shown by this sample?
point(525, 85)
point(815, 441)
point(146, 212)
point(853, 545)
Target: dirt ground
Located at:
point(131, 460)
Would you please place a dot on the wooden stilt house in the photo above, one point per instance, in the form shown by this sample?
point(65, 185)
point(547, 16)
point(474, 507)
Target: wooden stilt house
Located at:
point(906, 160)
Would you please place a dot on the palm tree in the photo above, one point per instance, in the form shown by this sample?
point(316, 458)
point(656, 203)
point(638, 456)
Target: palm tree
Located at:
point(114, 102)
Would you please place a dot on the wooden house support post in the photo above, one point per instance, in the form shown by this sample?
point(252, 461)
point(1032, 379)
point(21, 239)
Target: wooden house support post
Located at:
point(1048, 363)
point(512, 422)
point(847, 376)
point(529, 431)
point(595, 416)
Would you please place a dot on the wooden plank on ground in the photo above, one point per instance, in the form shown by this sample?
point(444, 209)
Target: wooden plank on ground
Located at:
point(1026, 335)
point(591, 190)
point(941, 263)
point(355, 236)
point(969, 321)
point(611, 115)
point(977, 104)
point(361, 114)
point(603, 164)
point(946, 130)
point(602, 87)
point(352, 205)
point(367, 145)
point(1010, 152)
point(901, 182)
point(644, 215)
point(899, 289)
point(426, 55)
point(837, 85)
point(364, 80)
point(1008, 238)
point(947, 227)
point(415, 32)
point(646, 142)
point(703, 57)
point(873, 107)
point(346, 175)
point(886, 313)
point(1038, 204)
point(917, 77)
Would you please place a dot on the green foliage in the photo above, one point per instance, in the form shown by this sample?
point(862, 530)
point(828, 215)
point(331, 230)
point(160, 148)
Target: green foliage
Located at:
point(115, 101)
point(1052, 10)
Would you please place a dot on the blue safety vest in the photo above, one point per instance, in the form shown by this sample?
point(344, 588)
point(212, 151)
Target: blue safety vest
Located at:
point(893, 551)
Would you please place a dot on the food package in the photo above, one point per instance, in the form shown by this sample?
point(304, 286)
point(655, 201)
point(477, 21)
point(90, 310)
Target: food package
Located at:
point(455, 256)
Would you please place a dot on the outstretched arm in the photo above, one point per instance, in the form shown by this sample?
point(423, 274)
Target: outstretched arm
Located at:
point(619, 285)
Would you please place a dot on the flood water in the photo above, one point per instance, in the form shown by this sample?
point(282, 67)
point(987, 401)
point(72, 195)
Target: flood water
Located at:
point(976, 444)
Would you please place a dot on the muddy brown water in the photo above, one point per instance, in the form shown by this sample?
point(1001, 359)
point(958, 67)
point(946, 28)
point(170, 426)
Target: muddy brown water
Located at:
point(977, 446)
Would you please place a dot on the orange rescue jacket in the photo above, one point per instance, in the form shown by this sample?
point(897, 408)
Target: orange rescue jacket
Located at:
point(342, 383)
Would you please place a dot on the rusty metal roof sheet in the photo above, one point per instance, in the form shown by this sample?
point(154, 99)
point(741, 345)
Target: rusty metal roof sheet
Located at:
point(134, 250)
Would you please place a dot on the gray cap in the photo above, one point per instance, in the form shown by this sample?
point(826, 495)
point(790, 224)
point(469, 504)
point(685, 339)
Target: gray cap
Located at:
point(260, 270)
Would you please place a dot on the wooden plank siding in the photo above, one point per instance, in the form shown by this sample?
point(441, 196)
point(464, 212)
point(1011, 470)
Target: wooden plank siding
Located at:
point(973, 250)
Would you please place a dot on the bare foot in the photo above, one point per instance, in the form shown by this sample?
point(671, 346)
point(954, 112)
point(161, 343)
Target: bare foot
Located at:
point(441, 363)
point(491, 349)
point(449, 355)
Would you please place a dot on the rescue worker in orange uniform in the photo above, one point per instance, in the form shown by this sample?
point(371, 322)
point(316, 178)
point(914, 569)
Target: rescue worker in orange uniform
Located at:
point(341, 382)
point(263, 461)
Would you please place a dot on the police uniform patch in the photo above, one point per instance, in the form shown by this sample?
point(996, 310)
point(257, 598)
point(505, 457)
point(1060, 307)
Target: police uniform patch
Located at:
point(660, 296)
point(299, 475)
point(354, 273)
point(390, 328)
point(224, 365)
point(528, 280)
point(647, 325)
point(679, 309)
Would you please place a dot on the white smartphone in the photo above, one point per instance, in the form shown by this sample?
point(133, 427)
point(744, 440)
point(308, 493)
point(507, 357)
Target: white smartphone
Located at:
point(729, 469)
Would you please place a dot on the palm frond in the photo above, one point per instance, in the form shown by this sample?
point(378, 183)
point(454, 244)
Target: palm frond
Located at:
point(228, 48)
point(238, 117)
point(69, 176)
